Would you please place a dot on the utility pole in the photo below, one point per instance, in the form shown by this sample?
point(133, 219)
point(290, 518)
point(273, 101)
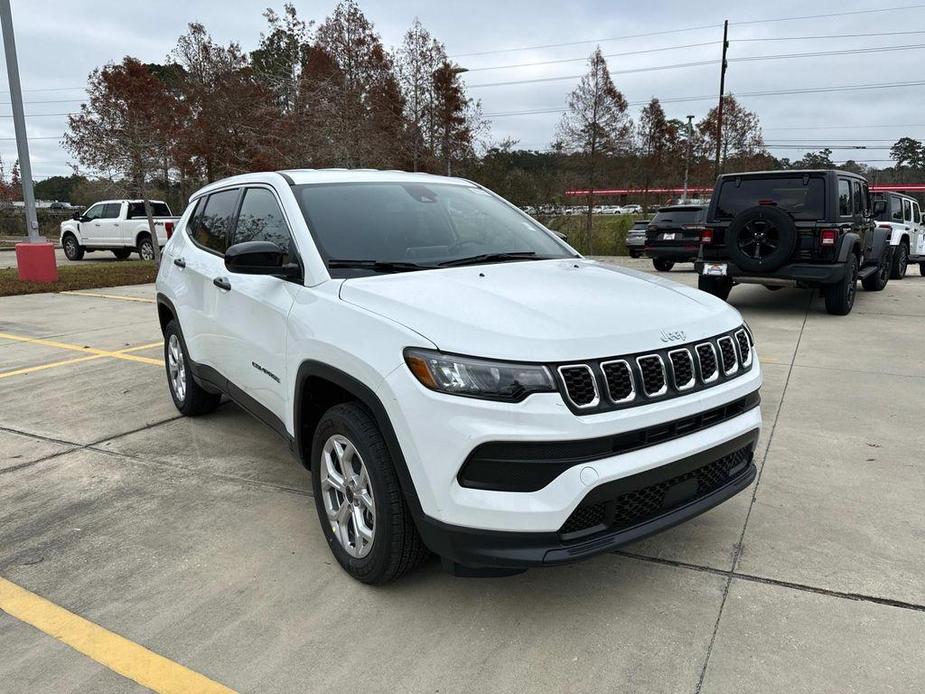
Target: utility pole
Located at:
point(722, 89)
point(35, 258)
point(690, 144)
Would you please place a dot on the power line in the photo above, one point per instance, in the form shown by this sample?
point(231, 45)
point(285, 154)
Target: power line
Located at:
point(710, 97)
point(682, 29)
point(827, 36)
point(583, 58)
point(848, 127)
point(675, 66)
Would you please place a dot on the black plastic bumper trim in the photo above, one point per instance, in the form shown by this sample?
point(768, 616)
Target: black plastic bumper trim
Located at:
point(476, 548)
point(530, 466)
point(816, 273)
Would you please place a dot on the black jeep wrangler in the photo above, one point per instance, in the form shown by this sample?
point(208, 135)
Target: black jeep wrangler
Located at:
point(794, 228)
point(673, 235)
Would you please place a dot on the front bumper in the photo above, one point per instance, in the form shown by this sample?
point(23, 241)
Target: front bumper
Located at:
point(668, 490)
point(805, 274)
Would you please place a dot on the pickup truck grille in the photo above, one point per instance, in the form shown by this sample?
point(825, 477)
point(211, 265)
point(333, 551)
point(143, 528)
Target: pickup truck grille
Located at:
point(629, 380)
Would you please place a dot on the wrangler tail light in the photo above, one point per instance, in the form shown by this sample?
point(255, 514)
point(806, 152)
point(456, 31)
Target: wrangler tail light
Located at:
point(827, 237)
point(885, 226)
point(706, 235)
point(168, 227)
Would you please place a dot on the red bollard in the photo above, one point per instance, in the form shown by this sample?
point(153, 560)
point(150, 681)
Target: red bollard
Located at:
point(36, 262)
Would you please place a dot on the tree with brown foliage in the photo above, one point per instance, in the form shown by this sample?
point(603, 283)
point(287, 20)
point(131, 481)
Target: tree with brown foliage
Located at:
point(595, 125)
point(416, 63)
point(742, 141)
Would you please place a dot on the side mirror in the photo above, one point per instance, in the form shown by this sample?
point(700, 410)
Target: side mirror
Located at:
point(77, 216)
point(259, 258)
point(879, 207)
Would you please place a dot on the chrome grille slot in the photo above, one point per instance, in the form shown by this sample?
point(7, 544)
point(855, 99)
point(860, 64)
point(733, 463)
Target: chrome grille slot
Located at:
point(580, 385)
point(706, 358)
point(728, 353)
point(745, 350)
point(619, 379)
point(682, 369)
point(652, 369)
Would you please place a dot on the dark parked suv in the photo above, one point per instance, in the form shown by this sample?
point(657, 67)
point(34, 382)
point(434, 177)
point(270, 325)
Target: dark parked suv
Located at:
point(794, 228)
point(673, 235)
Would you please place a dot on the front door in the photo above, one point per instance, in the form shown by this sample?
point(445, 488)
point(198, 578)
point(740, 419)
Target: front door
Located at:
point(253, 312)
point(108, 224)
point(91, 229)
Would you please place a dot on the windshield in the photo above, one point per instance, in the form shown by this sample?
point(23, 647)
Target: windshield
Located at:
point(803, 200)
point(418, 226)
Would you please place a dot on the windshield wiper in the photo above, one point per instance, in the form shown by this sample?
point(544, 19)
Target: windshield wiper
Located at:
point(377, 265)
point(494, 257)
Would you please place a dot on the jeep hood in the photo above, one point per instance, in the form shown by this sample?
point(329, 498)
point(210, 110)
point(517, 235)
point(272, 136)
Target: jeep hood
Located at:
point(550, 310)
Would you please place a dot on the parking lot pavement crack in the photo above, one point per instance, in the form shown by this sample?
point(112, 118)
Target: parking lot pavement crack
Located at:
point(751, 503)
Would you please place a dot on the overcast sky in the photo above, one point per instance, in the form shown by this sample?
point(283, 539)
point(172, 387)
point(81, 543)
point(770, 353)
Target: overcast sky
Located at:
point(60, 42)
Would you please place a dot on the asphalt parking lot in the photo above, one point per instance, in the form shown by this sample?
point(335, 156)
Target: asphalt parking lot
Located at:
point(186, 554)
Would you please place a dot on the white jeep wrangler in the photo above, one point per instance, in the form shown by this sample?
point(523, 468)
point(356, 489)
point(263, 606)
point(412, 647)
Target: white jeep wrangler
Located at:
point(456, 377)
point(902, 216)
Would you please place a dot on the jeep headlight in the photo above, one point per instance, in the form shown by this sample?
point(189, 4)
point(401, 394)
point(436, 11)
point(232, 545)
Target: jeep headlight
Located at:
point(478, 378)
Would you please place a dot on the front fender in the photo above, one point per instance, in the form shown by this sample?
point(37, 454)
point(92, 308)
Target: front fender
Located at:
point(879, 246)
point(72, 227)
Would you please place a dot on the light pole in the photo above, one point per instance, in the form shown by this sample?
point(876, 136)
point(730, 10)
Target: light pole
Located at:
point(35, 258)
point(690, 142)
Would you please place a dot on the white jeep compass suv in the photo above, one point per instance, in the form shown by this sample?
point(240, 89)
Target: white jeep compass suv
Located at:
point(455, 376)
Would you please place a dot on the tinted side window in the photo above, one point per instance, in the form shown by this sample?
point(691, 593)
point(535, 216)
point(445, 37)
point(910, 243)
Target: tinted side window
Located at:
point(907, 210)
point(915, 213)
point(858, 197)
point(261, 219)
point(211, 223)
point(844, 197)
point(896, 208)
point(110, 210)
point(137, 209)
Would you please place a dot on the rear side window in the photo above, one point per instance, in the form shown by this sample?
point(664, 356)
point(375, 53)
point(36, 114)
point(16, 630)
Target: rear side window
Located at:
point(915, 213)
point(896, 208)
point(907, 210)
point(137, 209)
point(844, 198)
point(261, 219)
point(111, 210)
point(803, 200)
point(212, 220)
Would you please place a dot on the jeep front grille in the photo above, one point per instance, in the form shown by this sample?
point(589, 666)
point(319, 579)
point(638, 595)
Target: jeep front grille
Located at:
point(598, 385)
point(580, 384)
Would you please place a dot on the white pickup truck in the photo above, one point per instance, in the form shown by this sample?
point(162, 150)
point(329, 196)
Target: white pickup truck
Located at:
point(902, 216)
point(120, 226)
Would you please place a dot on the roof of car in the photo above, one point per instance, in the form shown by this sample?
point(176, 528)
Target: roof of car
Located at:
point(303, 176)
point(683, 208)
point(792, 172)
point(110, 202)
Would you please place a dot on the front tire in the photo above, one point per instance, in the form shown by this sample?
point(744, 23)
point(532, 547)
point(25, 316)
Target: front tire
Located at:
point(900, 262)
point(839, 297)
point(363, 513)
point(72, 249)
point(717, 286)
point(635, 254)
point(663, 265)
point(189, 397)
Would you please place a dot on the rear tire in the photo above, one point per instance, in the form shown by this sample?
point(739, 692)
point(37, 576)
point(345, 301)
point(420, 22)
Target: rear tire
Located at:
point(72, 249)
point(122, 253)
point(635, 254)
point(922, 269)
point(900, 262)
point(145, 248)
point(717, 286)
point(877, 281)
point(362, 510)
point(663, 265)
point(189, 397)
point(839, 297)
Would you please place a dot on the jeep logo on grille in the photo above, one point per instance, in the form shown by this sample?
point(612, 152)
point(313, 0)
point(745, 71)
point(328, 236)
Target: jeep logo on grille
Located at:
point(671, 335)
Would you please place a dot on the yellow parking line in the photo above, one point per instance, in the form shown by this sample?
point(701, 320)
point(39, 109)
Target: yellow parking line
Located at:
point(109, 296)
point(119, 354)
point(52, 365)
point(117, 653)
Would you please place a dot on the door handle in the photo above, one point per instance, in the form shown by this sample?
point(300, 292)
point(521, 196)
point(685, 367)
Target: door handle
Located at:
point(222, 283)
point(179, 262)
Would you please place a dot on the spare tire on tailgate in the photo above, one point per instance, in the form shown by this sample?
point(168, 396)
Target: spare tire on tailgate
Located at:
point(761, 238)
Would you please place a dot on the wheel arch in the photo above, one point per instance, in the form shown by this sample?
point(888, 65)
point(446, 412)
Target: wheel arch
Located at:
point(140, 234)
point(166, 311)
point(319, 386)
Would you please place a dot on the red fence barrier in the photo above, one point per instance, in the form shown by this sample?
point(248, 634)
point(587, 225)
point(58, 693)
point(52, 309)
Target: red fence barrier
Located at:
point(876, 187)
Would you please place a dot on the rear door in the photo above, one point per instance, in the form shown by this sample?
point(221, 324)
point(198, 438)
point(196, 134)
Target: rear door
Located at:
point(917, 236)
point(252, 315)
point(109, 224)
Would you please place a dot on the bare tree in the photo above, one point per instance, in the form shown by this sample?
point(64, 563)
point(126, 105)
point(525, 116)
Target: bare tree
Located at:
point(595, 125)
point(416, 62)
point(123, 127)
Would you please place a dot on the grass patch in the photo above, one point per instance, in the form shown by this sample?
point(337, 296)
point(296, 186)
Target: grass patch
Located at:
point(609, 232)
point(89, 276)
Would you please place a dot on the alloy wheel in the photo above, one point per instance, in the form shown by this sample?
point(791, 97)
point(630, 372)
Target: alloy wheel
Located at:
point(146, 251)
point(348, 496)
point(176, 368)
point(758, 239)
point(70, 248)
